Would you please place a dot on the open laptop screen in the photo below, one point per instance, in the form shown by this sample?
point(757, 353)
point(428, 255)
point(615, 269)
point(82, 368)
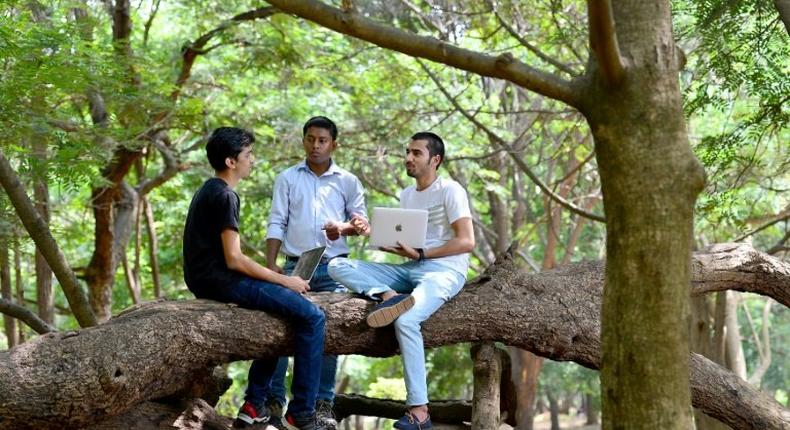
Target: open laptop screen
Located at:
point(307, 263)
point(391, 225)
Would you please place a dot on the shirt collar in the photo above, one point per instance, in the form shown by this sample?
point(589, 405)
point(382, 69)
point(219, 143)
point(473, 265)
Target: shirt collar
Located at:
point(333, 168)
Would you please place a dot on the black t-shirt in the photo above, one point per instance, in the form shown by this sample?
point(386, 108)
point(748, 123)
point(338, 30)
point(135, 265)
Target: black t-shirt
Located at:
point(214, 208)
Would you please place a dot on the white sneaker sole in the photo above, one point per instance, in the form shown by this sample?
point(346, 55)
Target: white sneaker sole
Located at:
point(385, 316)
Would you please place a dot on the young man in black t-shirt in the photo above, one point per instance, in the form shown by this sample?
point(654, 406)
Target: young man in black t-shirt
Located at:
point(215, 268)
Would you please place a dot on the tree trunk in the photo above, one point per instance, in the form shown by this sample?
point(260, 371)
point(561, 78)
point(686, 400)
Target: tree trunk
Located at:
point(7, 292)
point(153, 246)
point(591, 410)
point(650, 180)
point(554, 410)
point(70, 379)
point(526, 371)
point(20, 289)
point(487, 373)
point(44, 294)
point(734, 350)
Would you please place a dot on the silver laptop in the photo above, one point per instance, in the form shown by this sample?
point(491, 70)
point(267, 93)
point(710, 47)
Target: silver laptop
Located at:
point(308, 262)
point(390, 225)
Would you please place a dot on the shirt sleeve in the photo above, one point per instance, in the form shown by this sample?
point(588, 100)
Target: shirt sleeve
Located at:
point(355, 199)
point(278, 217)
point(228, 208)
point(456, 203)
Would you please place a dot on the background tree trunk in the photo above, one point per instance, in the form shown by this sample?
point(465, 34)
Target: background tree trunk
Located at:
point(487, 373)
point(44, 294)
point(9, 323)
point(20, 288)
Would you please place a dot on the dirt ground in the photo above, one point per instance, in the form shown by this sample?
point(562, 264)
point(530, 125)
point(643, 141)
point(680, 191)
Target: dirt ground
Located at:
point(575, 422)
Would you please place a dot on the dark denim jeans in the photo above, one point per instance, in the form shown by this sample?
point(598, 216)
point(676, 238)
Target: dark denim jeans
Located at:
point(320, 282)
point(308, 322)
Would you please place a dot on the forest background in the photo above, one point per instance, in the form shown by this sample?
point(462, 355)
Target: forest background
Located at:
point(106, 106)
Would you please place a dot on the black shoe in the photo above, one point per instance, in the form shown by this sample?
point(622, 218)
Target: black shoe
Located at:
point(249, 415)
point(303, 423)
point(325, 414)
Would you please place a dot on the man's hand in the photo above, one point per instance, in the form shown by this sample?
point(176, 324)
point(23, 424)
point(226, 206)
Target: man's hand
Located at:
point(295, 283)
point(360, 224)
point(275, 268)
point(333, 230)
point(402, 250)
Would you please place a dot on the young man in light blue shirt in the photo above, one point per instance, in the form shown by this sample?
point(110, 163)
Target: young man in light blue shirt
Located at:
point(314, 203)
point(411, 292)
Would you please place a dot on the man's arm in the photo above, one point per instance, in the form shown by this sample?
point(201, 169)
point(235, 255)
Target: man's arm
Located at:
point(278, 222)
point(236, 260)
point(463, 242)
point(272, 248)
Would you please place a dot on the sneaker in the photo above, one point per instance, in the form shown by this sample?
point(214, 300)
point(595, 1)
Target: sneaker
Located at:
point(409, 422)
point(325, 414)
point(249, 415)
point(303, 423)
point(275, 410)
point(389, 310)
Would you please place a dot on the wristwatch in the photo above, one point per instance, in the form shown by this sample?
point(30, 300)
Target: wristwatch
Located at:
point(421, 253)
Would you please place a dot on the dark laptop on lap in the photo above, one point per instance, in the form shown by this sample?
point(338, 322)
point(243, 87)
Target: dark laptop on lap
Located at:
point(308, 262)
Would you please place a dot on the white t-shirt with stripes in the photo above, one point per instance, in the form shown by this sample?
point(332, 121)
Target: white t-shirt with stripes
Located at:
point(446, 202)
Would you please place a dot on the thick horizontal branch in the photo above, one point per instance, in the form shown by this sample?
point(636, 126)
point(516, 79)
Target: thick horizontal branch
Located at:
point(738, 266)
point(503, 66)
point(156, 349)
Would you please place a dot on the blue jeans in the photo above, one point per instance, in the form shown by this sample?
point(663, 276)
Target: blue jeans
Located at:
point(430, 283)
point(320, 282)
point(308, 321)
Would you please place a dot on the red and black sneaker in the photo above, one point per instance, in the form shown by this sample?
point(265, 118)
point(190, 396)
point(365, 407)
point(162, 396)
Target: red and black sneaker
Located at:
point(249, 415)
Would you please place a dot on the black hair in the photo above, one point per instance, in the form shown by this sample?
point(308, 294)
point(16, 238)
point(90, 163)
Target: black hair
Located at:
point(226, 142)
point(321, 122)
point(435, 144)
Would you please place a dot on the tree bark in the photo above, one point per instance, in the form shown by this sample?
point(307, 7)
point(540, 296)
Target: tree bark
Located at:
point(642, 147)
point(7, 293)
point(71, 379)
point(20, 290)
point(487, 373)
point(153, 247)
point(44, 293)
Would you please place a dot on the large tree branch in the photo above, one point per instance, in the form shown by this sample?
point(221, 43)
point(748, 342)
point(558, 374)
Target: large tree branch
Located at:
point(513, 153)
point(503, 66)
point(603, 41)
point(70, 379)
point(39, 232)
point(26, 316)
point(737, 266)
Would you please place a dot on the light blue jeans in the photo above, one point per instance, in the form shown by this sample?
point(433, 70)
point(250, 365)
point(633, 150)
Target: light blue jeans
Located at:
point(326, 386)
point(430, 283)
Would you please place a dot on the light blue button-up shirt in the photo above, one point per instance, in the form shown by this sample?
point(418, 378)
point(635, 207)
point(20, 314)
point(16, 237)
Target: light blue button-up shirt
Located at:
point(302, 203)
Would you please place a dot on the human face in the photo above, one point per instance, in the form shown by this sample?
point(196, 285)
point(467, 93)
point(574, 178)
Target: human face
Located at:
point(244, 162)
point(318, 145)
point(419, 162)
